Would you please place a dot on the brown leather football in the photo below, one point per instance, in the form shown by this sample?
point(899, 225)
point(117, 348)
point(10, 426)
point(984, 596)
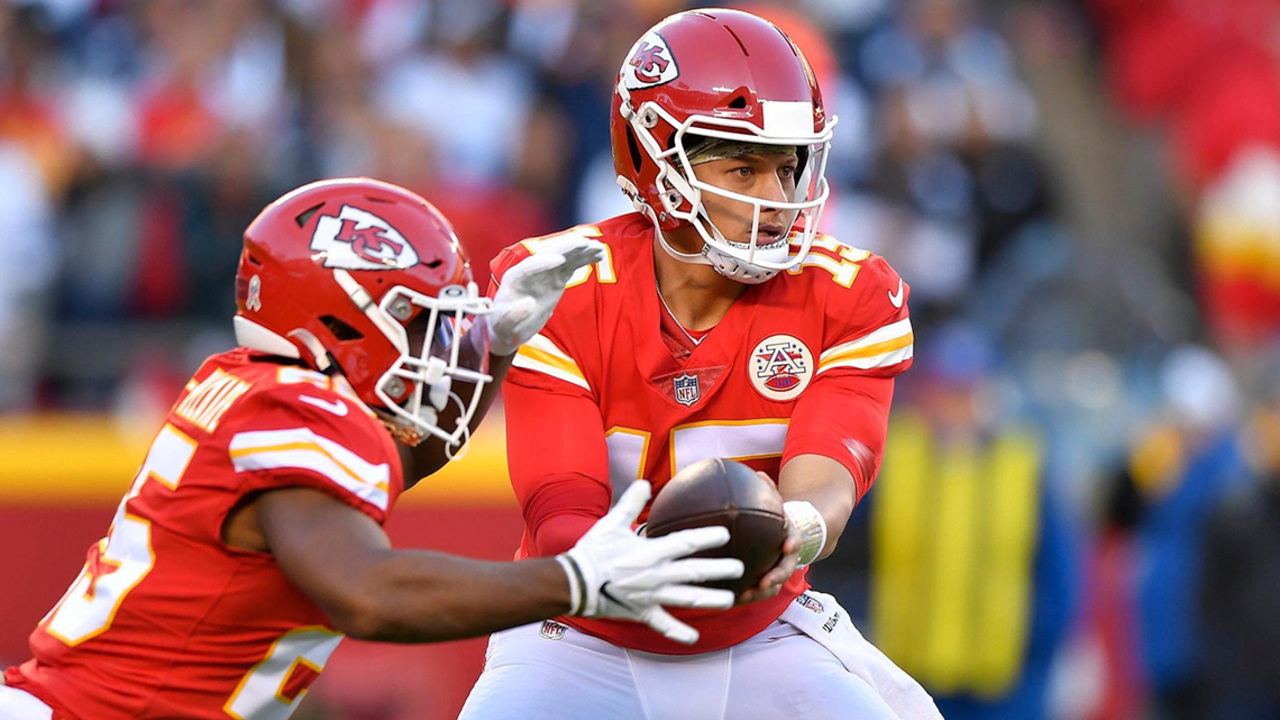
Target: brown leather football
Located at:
point(727, 493)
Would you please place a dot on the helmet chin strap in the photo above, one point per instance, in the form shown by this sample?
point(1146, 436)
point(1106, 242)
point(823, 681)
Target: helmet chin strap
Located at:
point(736, 269)
point(698, 258)
point(727, 265)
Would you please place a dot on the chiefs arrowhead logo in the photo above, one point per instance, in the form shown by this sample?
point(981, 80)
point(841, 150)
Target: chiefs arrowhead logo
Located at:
point(359, 240)
point(650, 63)
point(370, 243)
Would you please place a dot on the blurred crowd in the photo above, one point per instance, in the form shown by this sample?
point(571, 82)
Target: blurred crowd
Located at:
point(1084, 197)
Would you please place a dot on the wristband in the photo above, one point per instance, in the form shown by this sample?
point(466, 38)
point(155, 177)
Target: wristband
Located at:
point(813, 529)
point(577, 596)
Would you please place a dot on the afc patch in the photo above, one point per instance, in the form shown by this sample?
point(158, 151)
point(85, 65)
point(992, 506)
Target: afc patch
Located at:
point(685, 388)
point(780, 367)
point(553, 630)
point(809, 603)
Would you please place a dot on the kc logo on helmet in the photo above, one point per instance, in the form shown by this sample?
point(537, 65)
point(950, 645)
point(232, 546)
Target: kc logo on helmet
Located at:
point(650, 63)
point(359, 240)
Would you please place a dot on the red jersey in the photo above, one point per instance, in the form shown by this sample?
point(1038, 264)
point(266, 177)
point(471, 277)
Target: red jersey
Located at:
point(167, 621)
point(613, 389)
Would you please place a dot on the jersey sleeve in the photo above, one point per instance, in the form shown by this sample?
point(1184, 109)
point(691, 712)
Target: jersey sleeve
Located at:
point(556, 451)
point(299, 436)
point(866, 341)
point(552, 359)
point(558, 461)
point(843, 416)
point(867, 328)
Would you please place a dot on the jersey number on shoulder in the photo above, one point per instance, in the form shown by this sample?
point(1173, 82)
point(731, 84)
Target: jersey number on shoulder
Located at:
point(691, 443)
point(603, 269)
point(841, 260)
point(124, 557)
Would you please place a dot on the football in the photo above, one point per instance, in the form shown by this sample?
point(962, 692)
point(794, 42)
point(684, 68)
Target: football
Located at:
point(728, 493)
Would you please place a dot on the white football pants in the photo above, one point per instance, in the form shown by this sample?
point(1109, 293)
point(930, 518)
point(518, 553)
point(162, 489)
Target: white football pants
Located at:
point(18, 704)
point(810, 664)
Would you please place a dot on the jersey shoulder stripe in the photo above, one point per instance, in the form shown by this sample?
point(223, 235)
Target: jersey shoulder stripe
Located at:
point(542, 355)
point(886, 346)
point(300, 448)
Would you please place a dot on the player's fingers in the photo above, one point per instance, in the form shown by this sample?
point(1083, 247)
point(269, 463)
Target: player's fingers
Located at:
point(628, 508)
point(694, 597)
point(791, 544)
point(535, 263)
point(766, 594)
point(686, 542)
point(671, 628)
point(586, 253)
point(568, 244)
point(779, 573)
point(695, 570)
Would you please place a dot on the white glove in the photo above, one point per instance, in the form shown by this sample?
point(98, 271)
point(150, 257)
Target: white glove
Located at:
point(615, 573)
point(532, 287)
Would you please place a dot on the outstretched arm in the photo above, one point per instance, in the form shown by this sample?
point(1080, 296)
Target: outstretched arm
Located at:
point(341, 559)
point(522, 304)
point(832, 456)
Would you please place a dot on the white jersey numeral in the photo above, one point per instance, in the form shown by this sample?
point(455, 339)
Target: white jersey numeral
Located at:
point(843, 264)
point(275, 686)
point(730, 439)
point(125, 555)
point(603, 269)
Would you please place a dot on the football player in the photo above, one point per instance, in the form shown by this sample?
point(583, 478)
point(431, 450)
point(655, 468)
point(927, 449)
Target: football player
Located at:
point(720, 323)
point(251, 540)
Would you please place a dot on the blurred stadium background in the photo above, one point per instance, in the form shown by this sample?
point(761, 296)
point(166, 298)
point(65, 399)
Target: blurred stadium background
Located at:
point(1079, 514)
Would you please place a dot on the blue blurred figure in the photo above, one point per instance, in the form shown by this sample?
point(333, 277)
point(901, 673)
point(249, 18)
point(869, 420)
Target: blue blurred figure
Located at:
point(1197, 427)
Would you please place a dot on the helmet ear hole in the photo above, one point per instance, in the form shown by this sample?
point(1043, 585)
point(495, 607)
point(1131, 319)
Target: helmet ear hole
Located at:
point(302, 217)
point(738, 103)
point(634, 147)
point(341, 330)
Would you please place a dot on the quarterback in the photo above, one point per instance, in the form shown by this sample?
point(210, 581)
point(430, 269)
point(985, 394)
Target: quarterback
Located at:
point(720, 323)
point(251, 539)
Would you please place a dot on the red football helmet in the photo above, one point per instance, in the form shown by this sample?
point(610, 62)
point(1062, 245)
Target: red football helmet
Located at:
point(369, 279)
point(723, 74)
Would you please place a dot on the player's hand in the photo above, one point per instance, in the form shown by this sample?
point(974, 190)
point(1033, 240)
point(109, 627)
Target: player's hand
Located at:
point(615, 573)
point(771, 584)
point(531, 289)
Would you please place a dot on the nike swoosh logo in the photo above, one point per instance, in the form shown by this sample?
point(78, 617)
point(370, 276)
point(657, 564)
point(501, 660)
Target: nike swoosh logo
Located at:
point(337, 407)
point(896, 298)
point(604, 590)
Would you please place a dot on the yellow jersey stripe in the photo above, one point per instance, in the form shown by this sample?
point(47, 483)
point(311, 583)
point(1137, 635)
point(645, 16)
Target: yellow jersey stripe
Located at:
point(871, 350)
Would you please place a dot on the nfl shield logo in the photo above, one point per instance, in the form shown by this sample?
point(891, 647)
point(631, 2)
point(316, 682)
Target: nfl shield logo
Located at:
point(686, 388)
point(552, 630)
